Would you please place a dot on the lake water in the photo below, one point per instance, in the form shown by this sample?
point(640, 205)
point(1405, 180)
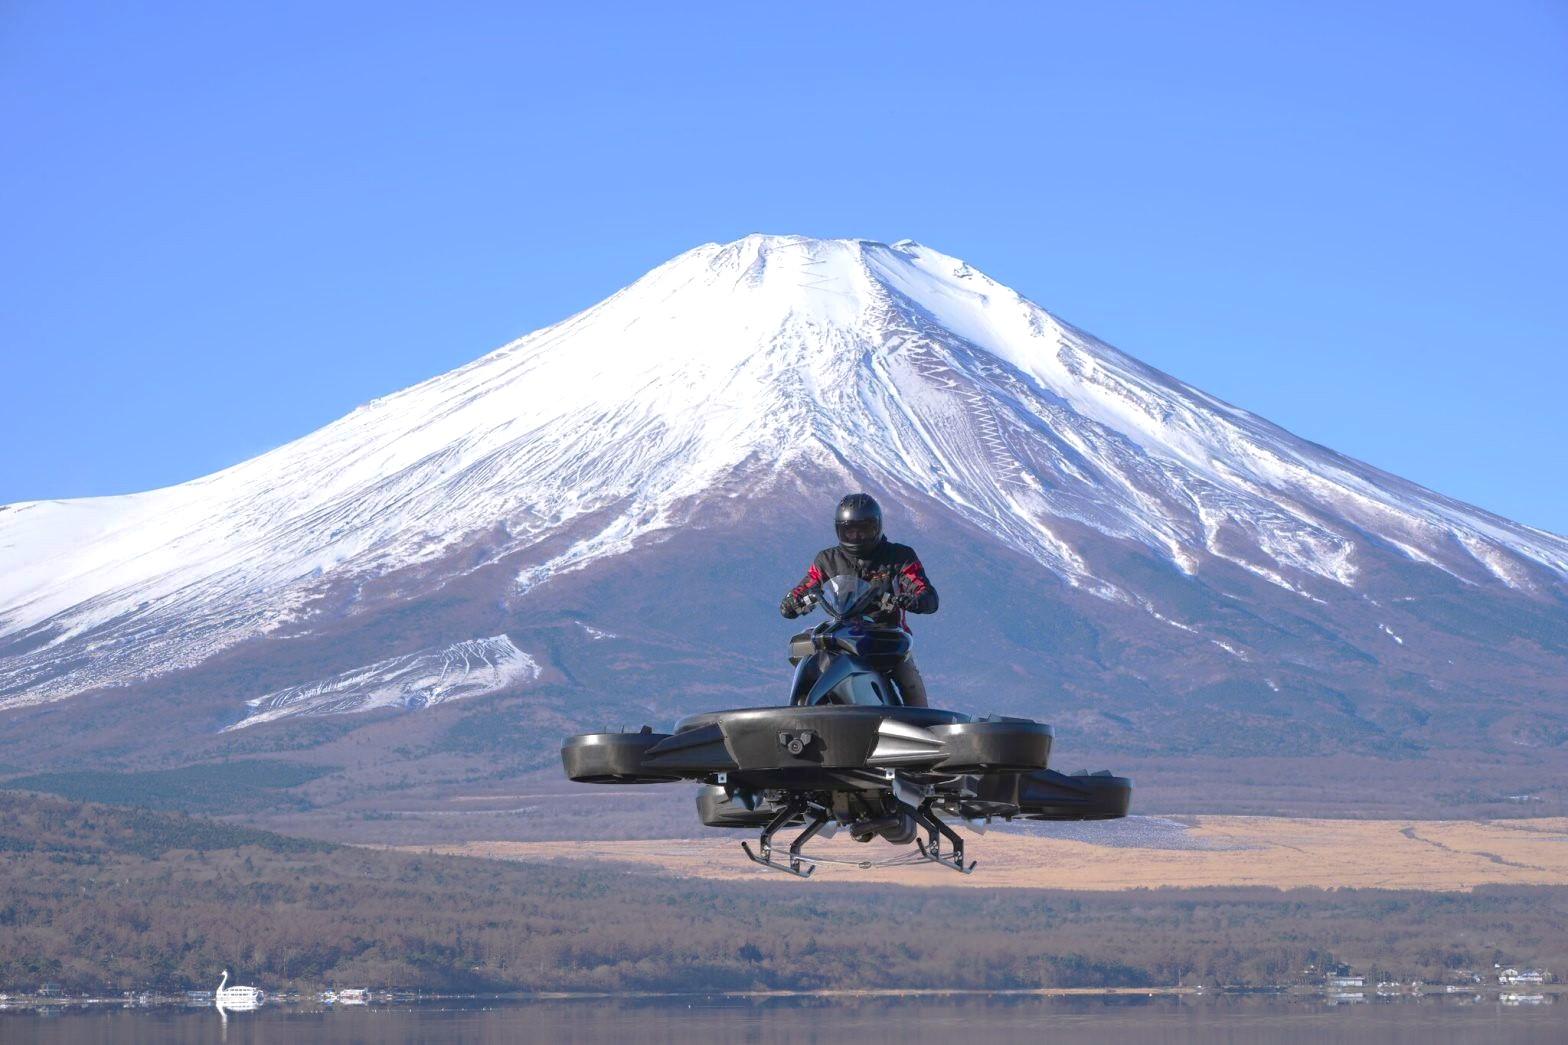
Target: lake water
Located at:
point(908, 1021)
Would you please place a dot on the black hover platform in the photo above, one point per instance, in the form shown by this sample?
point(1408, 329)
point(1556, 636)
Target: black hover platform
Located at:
point(847, 753)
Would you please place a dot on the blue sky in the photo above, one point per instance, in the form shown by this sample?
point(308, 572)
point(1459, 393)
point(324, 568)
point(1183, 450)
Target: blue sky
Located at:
point(223, 225)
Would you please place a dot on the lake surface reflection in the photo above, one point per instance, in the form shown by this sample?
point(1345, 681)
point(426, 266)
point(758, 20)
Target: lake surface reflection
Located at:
point(908, 1021)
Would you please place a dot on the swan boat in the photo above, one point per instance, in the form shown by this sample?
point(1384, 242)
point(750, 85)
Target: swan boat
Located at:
point(237, 997)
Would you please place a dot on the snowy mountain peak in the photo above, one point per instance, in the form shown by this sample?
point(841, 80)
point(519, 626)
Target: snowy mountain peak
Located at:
point(895, 366)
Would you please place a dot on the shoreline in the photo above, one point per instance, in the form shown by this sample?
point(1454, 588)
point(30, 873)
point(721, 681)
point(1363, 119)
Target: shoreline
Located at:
point(17, 1004)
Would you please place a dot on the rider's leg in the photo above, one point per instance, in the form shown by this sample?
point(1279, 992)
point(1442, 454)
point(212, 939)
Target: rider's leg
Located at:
point(910, 685)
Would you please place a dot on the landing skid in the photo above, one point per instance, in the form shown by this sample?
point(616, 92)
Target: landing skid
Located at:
point(802, 866)
point(794, 808)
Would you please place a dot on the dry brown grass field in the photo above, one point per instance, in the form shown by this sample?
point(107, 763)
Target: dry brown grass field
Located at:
point(1198, 851)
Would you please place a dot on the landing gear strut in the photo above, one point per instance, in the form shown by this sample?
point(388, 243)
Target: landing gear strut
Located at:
point(795, 807)
point(931, 847)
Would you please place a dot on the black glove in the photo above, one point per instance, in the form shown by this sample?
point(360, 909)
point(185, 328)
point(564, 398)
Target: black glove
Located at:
point(897, 601)
point(790, 607)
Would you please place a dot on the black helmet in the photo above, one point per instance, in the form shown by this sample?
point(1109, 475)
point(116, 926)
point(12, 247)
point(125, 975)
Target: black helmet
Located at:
point(859, 524)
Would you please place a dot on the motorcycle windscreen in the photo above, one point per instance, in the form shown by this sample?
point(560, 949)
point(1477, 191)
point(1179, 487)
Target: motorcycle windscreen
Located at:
point(846, 594)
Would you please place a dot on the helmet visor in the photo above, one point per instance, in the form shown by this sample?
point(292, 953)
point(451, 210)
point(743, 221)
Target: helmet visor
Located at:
point(859, 531)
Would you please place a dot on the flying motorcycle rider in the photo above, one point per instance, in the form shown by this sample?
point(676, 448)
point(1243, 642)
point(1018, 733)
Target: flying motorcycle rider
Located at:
point(863, 551)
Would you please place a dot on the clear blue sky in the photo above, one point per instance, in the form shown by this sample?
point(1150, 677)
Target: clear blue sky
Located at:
point(223, 225)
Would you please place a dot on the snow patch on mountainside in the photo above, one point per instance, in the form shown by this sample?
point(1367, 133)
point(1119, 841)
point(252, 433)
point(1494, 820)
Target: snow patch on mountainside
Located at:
point(472, 668)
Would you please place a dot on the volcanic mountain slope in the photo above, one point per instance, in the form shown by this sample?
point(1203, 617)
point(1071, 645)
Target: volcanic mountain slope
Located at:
point(615, 503)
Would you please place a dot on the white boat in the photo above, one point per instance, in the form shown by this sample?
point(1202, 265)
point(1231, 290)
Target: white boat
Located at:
point(237, 998)
point(354, 996)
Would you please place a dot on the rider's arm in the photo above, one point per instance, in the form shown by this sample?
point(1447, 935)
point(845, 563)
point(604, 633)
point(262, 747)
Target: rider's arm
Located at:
point(923, 595)
point(810, 585)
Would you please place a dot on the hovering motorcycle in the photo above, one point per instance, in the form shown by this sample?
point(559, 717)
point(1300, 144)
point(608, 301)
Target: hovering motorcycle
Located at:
point(848, 753)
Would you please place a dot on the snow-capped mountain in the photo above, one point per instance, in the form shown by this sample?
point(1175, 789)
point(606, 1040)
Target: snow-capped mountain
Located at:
point(713, 390)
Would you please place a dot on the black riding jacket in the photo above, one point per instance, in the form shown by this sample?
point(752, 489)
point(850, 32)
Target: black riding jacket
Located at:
point(888, 562)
